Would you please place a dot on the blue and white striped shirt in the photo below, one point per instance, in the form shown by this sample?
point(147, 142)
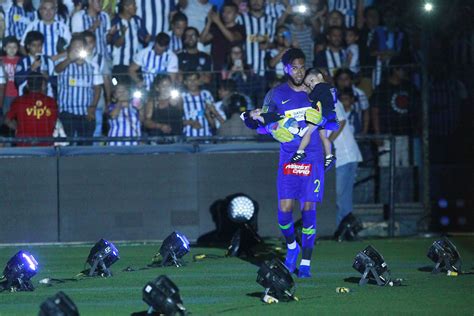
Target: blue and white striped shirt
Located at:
point(134, 36)
point(176, 44)
point(194, 107)
point(153, 64)
point(51, 32)
point(155, 14)
point(126, 124)
point(347, 7)
point(254, 27)
point(23, 69)
point(81, 21)
point(275, 10)
point(17, 20)
point(76, 87)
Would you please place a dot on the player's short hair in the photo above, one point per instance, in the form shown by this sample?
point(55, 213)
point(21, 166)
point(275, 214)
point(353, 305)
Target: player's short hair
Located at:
point(346, 92)
point(162, 39)
point(179, 17)
point(33, 36)
point(291, 54)
point(35, 81)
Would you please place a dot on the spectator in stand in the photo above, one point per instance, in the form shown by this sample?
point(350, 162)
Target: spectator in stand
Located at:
point(344, 78)
point(154, 60)
point(302, 34)
point(238, 70)
point(348, 157)
point(283, 41)
point(125, 115)
point(17, 18)
point(64, 11)
point(56, 33)
point(93, 19)
point(333, 57)
point(391, 41)
point(156, 15)
point(196, 10)
point(277, 10)
point(35, 61)
point(164, 111)
point(78, 90)
point(233, 125)
point(352, 50)
point(179, 23)
point(395, 110)
point(127, 35)
point(318, 10)
point(259, 30)
point(197, 121)
point(9, 60)
point(33, 114)
point(348, 9)
point(335, 18)
point(222, 32)
point(193, 60)
point(105, 93)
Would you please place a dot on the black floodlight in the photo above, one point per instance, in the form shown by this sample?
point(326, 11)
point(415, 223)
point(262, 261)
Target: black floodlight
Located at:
point(174, 247)
point(58, 305)
point(371, 264)
point(101, 257)
point(162, 295)
point(276, 279)
point(18, 272)
point(445, 254)
point(348, 229)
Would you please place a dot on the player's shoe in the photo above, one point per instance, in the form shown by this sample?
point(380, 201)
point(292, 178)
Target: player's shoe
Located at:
point(304, 272)
point(298, 156)
point(329, 162)
point(291, 258)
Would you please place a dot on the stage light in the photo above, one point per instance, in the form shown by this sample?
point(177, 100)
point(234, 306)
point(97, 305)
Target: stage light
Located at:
point(83, 54)
point(114, 81)
point(445, 254)
point(428, 7)
point(348, 229)
point(174, 93)
point(101, 257)
point(301, 9)
point(241, 209)
point(174, 247)
point(18, 272)
point(162, 295)
point(276, 280)
point(58, 305)
point(371, 264)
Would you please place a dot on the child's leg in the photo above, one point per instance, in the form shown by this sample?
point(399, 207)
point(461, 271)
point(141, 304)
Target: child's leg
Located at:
point(326, 142)
point(300, 154)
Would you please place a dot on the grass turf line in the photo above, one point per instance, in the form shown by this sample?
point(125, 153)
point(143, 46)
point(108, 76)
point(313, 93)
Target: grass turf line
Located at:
point(227, 285)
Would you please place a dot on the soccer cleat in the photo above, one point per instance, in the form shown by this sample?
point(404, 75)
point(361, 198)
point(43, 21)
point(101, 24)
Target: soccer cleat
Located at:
point(304, 272)
point(298, 156)
point(291, 258)
point(329, 162)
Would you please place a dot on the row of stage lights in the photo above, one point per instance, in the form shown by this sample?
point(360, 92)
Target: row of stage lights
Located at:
point(162, 295)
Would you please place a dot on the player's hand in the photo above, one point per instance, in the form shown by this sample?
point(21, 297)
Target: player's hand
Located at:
point(313, 116)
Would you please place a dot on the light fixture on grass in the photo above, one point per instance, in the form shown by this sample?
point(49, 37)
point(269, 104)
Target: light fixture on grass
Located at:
point(19, 271)
point(371, 265)
point(59, 305)
point(162, 296)
point(445, 254)
point(174, 247)
point(101, 257)
point(277, 281)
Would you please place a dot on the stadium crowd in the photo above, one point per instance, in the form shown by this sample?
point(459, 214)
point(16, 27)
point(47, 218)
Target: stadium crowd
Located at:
point(189, 67)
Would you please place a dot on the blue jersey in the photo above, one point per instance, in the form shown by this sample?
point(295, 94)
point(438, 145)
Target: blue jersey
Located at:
point(284, 100)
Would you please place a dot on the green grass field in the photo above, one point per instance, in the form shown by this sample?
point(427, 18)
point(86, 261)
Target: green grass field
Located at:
point(227, 285)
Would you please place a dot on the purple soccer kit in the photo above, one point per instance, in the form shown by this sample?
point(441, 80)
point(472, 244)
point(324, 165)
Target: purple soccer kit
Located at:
point(303, 181)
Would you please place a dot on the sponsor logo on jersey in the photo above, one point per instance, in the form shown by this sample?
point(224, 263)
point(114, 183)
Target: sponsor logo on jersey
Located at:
point(297, 114)
point(297, 169)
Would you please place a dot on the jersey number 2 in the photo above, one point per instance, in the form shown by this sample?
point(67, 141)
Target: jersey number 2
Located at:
point(317, 183)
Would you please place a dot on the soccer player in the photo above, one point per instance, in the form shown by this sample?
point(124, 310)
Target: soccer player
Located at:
point(303, 181)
